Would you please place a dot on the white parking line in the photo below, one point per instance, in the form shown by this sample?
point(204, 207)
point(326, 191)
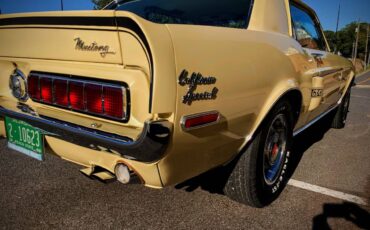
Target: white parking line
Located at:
point(328, 192)
point(362, 82)
point(362, 86)
point(363, 74)
point(360, 96)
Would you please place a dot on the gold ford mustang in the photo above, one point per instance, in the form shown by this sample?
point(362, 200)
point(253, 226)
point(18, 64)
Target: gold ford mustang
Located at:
point(157, 91)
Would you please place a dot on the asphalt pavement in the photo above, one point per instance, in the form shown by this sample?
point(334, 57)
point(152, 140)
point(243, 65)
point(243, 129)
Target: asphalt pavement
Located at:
point(54, 195)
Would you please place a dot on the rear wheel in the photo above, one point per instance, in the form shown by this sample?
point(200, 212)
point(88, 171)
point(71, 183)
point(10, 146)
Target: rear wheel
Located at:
point(261, 171)
point(340, 119)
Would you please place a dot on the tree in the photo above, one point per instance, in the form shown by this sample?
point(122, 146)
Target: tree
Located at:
point(99, 4)
point(330, 37)
point(346, 39)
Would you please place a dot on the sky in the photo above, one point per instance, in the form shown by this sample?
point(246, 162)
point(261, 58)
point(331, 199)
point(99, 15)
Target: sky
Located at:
point(351, 10)
point(327, 10)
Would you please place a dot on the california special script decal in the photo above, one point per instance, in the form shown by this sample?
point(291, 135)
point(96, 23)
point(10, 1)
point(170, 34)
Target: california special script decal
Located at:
point(192, 82)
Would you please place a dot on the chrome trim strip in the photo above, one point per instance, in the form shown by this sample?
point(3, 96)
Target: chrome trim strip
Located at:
point(331, 71)
point(297, 132)
point(184, 118)
point(149, 147)
point(336, 90)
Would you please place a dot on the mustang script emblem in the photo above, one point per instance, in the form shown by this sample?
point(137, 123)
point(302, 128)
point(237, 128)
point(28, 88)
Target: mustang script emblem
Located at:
point(104, 50)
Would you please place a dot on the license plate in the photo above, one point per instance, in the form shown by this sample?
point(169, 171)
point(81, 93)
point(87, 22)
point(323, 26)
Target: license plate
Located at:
point(24, 138)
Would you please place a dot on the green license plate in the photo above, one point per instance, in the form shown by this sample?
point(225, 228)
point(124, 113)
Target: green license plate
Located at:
point(24, 138)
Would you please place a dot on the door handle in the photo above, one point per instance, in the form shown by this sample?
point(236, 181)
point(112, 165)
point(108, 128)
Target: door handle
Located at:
point(317, 55)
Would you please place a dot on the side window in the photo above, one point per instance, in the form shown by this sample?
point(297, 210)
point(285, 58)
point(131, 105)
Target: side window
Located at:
point(307, 32)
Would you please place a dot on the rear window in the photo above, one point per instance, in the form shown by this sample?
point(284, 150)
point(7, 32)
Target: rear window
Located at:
point(223, 13)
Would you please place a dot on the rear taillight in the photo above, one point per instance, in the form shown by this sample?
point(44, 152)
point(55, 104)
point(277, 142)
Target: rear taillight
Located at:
point(46, 90)
point(34, 87)
point(76, 96)
point(94, 98)
point(102, 99)
point(61, 92)
point(114, 99)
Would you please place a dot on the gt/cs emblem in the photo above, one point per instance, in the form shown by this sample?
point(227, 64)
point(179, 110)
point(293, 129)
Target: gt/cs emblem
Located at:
point(317, 92)
point(18, 85)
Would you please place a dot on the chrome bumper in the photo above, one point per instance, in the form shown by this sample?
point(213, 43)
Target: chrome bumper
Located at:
point(149, 147)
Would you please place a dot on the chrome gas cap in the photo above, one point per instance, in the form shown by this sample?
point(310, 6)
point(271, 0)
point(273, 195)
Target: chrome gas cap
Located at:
point(18, 85)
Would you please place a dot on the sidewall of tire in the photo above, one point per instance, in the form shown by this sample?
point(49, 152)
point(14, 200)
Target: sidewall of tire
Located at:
point(246, 183)
point(268, 193)
point(338, 121)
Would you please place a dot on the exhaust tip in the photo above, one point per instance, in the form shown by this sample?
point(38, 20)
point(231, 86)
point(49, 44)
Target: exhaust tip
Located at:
point(122, 173)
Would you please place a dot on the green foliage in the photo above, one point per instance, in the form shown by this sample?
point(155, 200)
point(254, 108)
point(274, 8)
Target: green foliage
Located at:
point(346, 39)
point(330, 37)
point(99, 4)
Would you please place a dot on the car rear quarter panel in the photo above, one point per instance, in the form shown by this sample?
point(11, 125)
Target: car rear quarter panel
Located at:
point(163, 68)
point(253, 69)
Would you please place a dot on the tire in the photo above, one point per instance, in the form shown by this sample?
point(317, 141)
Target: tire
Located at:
point(340, 118)
point(261, 172)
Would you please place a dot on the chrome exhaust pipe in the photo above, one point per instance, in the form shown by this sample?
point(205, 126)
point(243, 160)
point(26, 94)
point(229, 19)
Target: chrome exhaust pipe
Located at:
point(122, 173)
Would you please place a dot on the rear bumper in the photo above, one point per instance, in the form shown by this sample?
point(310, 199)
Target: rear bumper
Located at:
point(149, 147)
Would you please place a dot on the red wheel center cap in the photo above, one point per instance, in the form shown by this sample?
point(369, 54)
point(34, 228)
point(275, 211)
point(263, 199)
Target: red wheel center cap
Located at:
point(275, 151)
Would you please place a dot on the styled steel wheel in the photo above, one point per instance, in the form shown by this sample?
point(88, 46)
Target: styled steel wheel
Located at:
point(275, 149)
point(261, 172)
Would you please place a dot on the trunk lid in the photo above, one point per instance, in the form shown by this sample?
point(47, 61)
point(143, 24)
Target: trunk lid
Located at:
point(86, 36)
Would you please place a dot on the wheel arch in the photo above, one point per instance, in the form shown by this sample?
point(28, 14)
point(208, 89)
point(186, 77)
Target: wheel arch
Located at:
point(350, 82)
point(289, 93)
point(244, 184)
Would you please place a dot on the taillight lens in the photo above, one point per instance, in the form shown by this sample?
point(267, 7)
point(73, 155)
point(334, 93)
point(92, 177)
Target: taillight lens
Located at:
point(33, 87)
point(114, 102)
point(94, 99)
point(101, 99)
point(46, 90)
point(61, 92)
point(76, 95)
